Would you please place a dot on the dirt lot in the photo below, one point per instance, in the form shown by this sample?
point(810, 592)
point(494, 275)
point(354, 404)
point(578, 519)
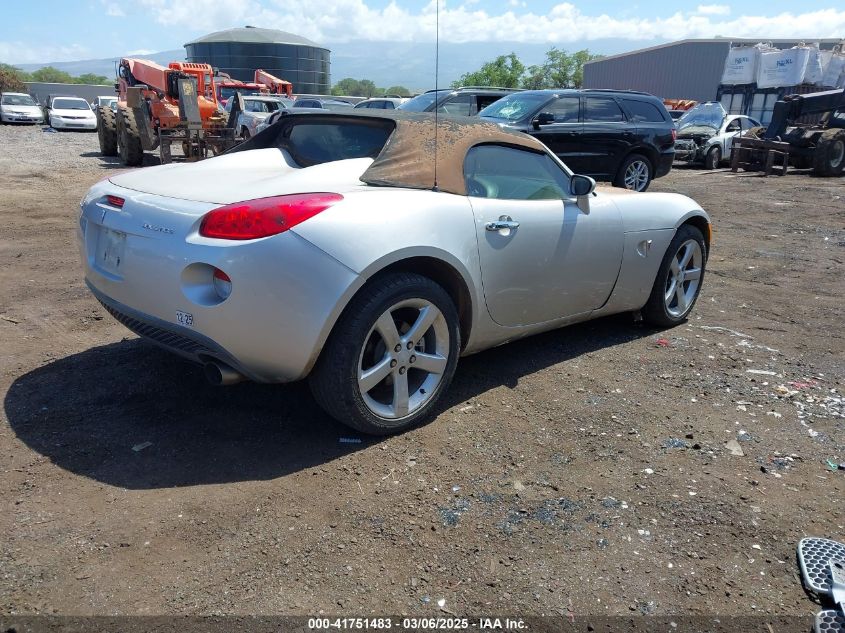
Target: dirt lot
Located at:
point(584, 470)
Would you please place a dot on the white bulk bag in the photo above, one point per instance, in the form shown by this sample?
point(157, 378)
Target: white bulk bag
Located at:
point(834, 70)
point(824, 58)
point(740, 65)
point(813, 73)
point(777, 68)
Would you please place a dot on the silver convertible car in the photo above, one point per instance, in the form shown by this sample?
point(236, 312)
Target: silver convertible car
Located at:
point(368, 251)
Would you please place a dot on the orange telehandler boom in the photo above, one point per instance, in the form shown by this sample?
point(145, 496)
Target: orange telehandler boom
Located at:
point(264, 83)
point(277, 86)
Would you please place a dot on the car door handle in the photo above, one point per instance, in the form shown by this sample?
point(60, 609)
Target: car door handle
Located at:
point(499, 225)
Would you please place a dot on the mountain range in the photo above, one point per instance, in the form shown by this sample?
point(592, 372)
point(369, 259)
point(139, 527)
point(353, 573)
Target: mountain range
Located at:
point(409, 64)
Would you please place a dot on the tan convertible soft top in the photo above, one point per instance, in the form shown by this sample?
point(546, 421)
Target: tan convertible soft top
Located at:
point(407, 159)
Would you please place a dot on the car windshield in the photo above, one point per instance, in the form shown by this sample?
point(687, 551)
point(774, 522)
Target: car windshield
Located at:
point(312, 142)
point(18, 100)
point(259, 105)
point(337, 105)
point(703, 115)
point(422, 102)
point(514, 107)
point(70, 104)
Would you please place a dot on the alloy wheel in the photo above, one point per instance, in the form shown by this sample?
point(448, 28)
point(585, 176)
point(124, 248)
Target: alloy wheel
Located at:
point(636, 176)
point(403, 359)
point(683, 279)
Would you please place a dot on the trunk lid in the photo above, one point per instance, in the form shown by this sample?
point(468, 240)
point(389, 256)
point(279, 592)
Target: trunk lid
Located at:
point(241, 176)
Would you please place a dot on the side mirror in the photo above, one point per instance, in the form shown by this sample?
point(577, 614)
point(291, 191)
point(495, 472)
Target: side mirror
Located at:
point(582, 187)
point(544, 118)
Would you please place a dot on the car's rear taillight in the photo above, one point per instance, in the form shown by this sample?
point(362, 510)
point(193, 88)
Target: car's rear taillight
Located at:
point(252, 219)
point(674, 135)
point(115, 201)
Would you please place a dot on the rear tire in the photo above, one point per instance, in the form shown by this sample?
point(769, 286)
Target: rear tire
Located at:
point(128, 139)
point(679, 279)
point(107, 131)
point(635, 173)
point(390, 357)
point(829, 158)
point(713, 158)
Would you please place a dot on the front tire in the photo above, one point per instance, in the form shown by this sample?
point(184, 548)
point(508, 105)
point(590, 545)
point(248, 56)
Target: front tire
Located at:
point(678, 280)
point(107, 131)
point(713, 158)
point(390, 357)
point(635, 173)
point(128, 139)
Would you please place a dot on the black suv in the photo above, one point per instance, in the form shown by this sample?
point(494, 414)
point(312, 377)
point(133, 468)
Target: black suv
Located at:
point(618, 135)
point(464, 101)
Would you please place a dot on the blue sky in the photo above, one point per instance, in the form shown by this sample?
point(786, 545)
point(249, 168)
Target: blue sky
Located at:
point(63, 31)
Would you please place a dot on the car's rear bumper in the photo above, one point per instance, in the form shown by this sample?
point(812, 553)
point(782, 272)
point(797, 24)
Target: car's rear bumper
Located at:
point(664, 164)
point(286, 293)
point(174, 338)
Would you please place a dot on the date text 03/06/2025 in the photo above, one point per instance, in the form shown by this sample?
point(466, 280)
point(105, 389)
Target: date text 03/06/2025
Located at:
point(418, 624)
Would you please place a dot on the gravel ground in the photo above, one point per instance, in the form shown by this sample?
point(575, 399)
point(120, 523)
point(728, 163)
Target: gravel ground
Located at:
point(42, 147)
point(601, 469)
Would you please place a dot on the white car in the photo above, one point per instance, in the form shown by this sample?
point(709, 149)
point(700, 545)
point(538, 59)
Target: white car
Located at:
point(105, 102)
point(71, 113)
point(270, 120)
point(381, 103)
point(257, 109)
point(706, 134)
point(330, 248)
point(17, 107)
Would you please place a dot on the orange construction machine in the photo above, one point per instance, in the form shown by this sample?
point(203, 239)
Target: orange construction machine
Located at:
point(263, 83)
point(679, 104)
point(277, 86)
point(160, 106)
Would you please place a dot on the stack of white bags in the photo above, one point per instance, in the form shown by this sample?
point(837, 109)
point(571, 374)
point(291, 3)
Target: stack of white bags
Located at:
point(770, 67)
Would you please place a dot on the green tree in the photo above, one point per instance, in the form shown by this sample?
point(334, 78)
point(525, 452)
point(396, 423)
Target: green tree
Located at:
point(356, 88)
point(367, 89)
point(560, 70)
point(505, 72)
point(534, 78)
point(48, 74)
point(92, 79)
point(348, 86)
point(580, 58)
point(12, 78)
point(402, 91)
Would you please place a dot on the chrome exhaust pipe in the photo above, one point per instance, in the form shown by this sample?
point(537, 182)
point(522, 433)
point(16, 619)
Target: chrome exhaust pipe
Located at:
point(221, 375)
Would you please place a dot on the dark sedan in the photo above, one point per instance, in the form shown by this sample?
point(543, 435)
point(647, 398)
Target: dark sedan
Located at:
point(621, 136)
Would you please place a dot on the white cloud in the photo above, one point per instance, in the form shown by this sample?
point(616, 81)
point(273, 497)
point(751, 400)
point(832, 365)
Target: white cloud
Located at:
point(713, 9)
point(344, 20)
point(141, 51)
point(23, 53)
point(114, 10)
